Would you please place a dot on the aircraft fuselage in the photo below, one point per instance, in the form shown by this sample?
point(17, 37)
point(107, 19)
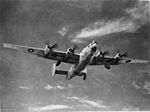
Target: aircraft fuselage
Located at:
point(86, 57)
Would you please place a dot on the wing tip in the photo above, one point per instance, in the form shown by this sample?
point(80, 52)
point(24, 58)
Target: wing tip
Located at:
point(146, 61)
point(5, 45)
point(11, 46)
point(143, 61)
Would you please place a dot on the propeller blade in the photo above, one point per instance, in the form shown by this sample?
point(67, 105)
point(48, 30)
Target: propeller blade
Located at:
point(121, 54)
point(46, 42)
point(124, 55)
point(107, 52)
point(104, 53)
point(75, 47)
point(54, 46)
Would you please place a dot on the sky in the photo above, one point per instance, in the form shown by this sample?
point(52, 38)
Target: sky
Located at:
point(25, 81)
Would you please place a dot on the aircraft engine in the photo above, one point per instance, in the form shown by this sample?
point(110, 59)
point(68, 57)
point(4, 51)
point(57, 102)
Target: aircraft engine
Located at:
point(69, 53)
point(120, 55)
point(49, 47)
point(104, 53)
point(101, 54)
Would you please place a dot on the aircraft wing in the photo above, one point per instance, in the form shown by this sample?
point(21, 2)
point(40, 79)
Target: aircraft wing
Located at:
point(99, 60)
point(55, 55)
point(110, 60)
point(31, 50)
point(129, 60)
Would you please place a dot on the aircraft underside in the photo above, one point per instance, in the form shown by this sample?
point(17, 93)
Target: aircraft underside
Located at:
point(69, 74)
point(88, 56)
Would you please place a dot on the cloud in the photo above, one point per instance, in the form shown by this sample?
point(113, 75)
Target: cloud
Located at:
point(64, 30)
point(139, 14)
point(147, 86)
point(145, 71)
point(49, 87)
point(136, 17)
point(26, 88)
point(70, 86)
point(91, 103)
point(129, 108)
point(59, 87)
point(135, 85)
point(103, 28)
point(78, 41)
point(48, 108)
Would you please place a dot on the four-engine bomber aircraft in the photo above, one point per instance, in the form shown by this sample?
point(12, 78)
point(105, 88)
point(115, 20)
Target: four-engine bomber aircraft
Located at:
point(88, 56)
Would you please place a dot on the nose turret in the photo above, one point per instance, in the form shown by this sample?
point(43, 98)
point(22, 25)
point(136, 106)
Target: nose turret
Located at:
point(94, 46)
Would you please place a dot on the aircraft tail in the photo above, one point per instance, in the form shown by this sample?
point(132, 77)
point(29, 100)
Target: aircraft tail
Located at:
point(60, 72)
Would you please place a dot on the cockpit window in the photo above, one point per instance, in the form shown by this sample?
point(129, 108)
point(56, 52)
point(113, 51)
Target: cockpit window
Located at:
point(94, 42)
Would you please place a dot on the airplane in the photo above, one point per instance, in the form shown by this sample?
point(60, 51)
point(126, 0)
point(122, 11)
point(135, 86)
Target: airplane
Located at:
point(89, 56)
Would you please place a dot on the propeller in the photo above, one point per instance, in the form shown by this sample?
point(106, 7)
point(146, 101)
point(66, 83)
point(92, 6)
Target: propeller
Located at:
point(53, 46)
point(69, 52)
point(106, 65)
point(75, 47)
point(104, 53)
point(47, 43)
point(120, 55)
point(123, 54)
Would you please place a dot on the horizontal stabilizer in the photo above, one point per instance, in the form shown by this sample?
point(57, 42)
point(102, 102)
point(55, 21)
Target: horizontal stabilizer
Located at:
point(61, 72)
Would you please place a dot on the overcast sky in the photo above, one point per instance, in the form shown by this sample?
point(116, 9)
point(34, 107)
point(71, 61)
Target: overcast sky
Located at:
point(26, 81)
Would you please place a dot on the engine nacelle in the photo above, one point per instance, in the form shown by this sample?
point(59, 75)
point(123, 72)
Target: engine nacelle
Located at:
point(47, 49)
point(69, 52)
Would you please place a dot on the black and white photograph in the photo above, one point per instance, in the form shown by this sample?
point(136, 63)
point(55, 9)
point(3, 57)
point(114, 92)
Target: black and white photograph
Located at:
point(74, 55)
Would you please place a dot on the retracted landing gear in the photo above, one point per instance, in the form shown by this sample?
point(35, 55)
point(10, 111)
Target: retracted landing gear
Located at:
point(107, 66)
point(84, 76)
point(58, 62)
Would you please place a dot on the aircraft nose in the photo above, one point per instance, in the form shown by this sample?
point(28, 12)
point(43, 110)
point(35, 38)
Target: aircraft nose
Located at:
point(94, 48)
point(95, 42)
